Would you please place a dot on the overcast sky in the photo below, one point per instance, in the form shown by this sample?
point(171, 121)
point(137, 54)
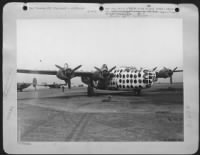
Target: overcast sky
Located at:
point(146, 42)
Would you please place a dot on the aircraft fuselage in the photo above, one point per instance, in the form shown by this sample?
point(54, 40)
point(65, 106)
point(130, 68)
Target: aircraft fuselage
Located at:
point(125, 79)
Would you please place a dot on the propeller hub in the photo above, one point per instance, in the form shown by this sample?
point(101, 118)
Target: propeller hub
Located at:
point(105, 73)
point(170, 72)
point(66, 73)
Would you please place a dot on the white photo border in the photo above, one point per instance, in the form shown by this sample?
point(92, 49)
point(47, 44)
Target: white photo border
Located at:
point(13, 12)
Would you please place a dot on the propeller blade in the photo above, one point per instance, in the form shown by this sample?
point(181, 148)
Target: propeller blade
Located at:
point(98, 69)
point(154, 68)
point(175, 69)
point(112, 69)
point(59, 67)
point(165, 68)
point(104, 74)
point(76, 68)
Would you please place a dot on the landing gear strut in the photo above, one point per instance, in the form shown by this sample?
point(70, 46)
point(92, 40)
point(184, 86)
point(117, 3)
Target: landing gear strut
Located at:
point(90, 91)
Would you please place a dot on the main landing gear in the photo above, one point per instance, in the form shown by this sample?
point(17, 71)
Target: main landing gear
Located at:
point(90, 91)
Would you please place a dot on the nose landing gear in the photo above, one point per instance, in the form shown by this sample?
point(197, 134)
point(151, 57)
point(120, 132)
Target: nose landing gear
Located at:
point(90, 91)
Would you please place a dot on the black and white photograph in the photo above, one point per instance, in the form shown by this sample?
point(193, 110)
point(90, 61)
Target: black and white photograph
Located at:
point(101, 74)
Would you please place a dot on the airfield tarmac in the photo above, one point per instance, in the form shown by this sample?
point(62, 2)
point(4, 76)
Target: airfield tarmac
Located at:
point(53, 115)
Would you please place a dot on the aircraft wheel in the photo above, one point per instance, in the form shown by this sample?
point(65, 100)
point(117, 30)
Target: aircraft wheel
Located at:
point(90, 91)
point(138, 92)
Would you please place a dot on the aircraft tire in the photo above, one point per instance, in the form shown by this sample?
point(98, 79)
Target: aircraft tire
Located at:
point(138, 92)
point(90, 91)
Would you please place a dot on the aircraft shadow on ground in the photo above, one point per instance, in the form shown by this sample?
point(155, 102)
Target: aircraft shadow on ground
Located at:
point(97, 94)
point(145, 93)
point(77, 95)
point(170, 89)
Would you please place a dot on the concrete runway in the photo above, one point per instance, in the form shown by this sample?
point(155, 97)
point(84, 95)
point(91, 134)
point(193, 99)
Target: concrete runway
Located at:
point(53, 115)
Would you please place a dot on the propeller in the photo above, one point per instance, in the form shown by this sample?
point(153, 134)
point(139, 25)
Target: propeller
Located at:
point(154, 69)
point(169, 73)
point(68, 73)
point(98, 69)
point(104, 73)
point(166, 73)
point(61, 68)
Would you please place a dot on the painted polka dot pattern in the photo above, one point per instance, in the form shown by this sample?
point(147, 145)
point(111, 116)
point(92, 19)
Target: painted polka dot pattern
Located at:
point(125, 79)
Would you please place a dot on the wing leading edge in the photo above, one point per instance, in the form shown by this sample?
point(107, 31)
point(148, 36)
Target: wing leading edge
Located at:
point(48, 72)
point(53, 72)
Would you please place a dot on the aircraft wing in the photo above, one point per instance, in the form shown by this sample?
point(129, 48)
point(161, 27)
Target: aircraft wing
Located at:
point(62, 84)
point(53, 72)
point(48, 72)
point(49, 85)
point(84, 74)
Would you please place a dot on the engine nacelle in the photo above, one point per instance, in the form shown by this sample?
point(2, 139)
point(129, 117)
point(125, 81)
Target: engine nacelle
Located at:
point(85, 80)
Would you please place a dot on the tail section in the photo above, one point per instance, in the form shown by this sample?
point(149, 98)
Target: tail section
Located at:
point(34, 83)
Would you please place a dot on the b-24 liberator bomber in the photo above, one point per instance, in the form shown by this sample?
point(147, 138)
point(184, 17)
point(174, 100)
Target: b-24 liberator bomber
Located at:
point(122, 78)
